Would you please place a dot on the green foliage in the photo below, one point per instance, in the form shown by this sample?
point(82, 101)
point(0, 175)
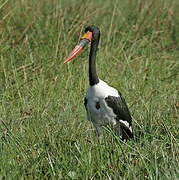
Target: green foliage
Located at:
point(44, 133)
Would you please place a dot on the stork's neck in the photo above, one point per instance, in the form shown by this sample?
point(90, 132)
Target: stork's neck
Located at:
point(93, 77)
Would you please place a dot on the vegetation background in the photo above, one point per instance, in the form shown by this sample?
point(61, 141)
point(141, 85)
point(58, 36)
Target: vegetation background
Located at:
point(44, 133)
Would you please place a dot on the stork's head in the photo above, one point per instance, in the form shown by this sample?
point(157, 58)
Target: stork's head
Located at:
point(92, 34)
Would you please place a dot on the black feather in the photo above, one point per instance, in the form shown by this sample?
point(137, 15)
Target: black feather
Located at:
point(121, 109)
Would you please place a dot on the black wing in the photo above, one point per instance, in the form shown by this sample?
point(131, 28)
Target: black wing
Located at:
point(120, 108)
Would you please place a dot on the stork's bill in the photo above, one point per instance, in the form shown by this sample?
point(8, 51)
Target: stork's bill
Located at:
point(85, 39)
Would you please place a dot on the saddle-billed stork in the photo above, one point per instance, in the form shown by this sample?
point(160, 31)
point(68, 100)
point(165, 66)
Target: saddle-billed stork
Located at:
point(104, 104)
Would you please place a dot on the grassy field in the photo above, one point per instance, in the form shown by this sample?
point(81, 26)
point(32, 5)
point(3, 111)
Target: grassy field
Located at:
point(44, 133)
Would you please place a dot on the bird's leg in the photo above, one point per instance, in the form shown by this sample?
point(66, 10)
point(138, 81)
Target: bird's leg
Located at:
point(99, 130)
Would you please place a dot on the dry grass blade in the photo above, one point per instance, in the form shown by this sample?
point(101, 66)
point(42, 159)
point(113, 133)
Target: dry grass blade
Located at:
point(111, 25)
point(10, 13)
point(3, 4)
point(24, 32)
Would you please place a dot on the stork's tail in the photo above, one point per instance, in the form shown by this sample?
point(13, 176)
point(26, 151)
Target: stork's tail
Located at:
point(126, 131)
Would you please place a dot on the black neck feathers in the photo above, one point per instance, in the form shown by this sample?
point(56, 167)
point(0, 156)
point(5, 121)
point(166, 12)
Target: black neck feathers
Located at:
point(93, 77)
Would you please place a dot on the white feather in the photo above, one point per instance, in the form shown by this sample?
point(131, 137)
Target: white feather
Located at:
point(101, 90)
point(104, 115)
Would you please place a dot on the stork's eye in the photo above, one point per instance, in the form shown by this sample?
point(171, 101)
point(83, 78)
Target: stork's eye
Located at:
point(97, 105)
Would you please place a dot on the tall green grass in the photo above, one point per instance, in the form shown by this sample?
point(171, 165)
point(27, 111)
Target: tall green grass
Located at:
point(43, 128)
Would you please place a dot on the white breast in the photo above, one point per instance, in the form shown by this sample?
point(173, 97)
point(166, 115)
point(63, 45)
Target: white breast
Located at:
point(101, 90)
point(97, 94)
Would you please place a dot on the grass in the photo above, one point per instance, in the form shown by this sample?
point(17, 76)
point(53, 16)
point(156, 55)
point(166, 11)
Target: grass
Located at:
point(43, 128)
